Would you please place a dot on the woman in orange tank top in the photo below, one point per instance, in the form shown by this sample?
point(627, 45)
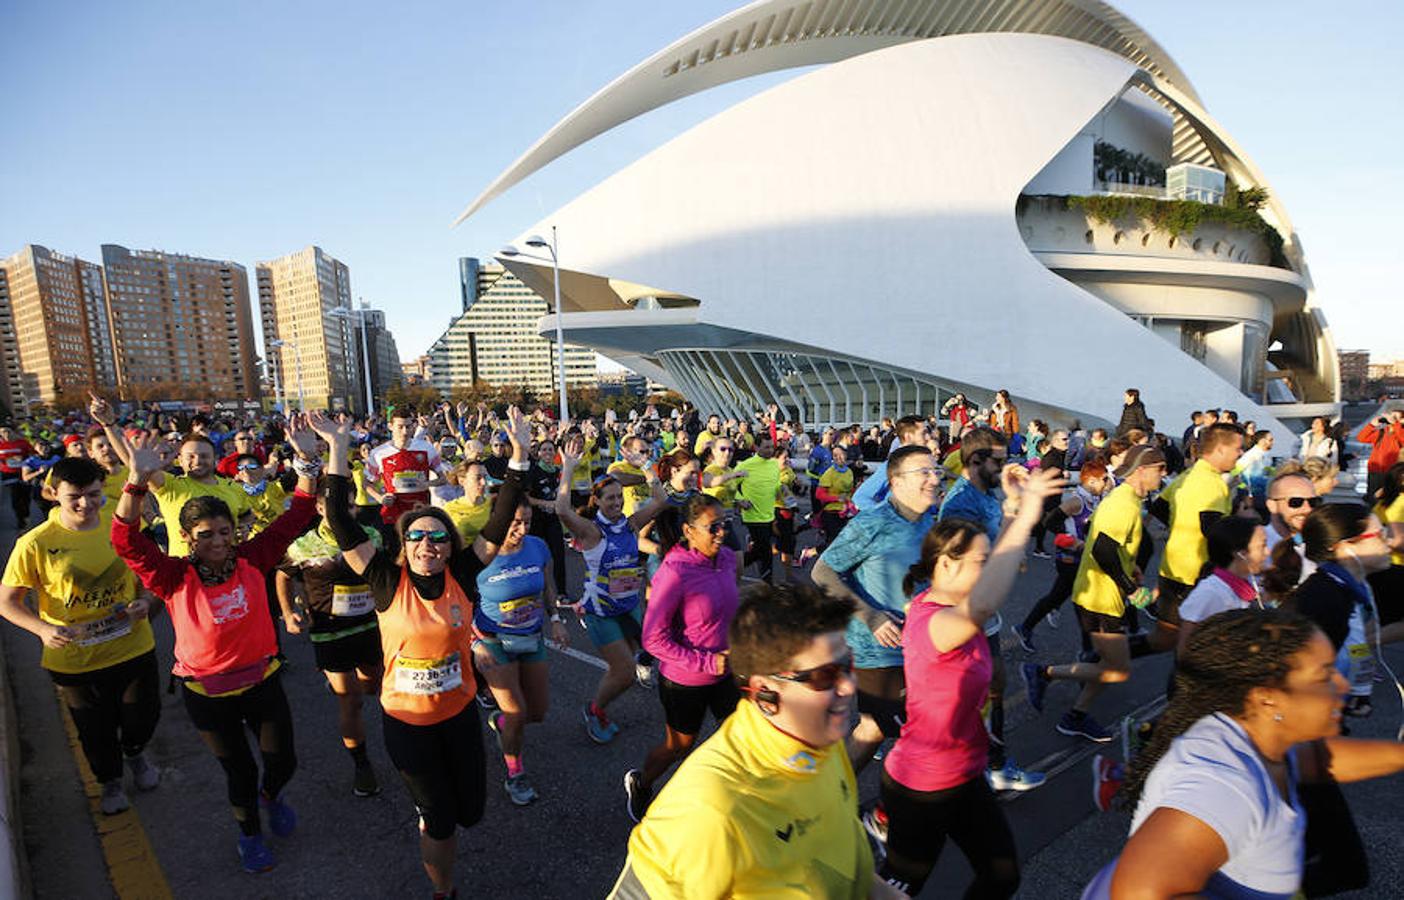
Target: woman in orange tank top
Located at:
point(424, 599)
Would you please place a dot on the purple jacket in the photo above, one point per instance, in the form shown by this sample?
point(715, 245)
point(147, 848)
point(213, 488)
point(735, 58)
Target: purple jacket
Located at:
point(691, 603)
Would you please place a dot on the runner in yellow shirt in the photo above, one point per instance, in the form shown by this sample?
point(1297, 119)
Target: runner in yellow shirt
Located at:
point(1110, 571)
point(265, 496)
point(768, 805)
point(631, 477)
point(471, 511)
point(708, 434)
point(98, 647)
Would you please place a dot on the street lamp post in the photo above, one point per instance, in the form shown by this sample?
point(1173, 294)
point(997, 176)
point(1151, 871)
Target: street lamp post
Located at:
point(273, 345)
point(297, 363)
point(539, 243)
point(343, 312)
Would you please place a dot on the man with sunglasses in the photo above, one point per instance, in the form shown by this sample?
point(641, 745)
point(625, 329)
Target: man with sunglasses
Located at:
point(984, 454)
point(244, 442)
point(767, 806)
point(1291, 497)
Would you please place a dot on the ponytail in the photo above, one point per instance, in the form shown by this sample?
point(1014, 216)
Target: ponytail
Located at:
point(1285, 571)
point(950, 537)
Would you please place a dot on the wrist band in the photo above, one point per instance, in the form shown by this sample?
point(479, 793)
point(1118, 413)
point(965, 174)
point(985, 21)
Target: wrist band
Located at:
point(136, 490)
point(307, 468)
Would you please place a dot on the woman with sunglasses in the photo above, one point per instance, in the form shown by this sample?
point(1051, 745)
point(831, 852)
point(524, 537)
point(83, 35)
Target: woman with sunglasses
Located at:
point(768, 805)
point(609, 606)
point(720, 480)
point(226, 651)
point(1255, 715)
point(424, 600)
point(933, 780)
point(1346, 541)
point(691, 603)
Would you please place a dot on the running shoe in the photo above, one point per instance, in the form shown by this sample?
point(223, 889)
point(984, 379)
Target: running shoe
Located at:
point(282, 821)
point(1076, 724)
point(643, 670)
point(600, 728)
point(1041, 554)
point(1134, 736)
point(518, 791)
point(146, 776)
point(636, 796)
point(1106, 781)
point(1025, 637)
point(485, 698)
point(1052, 618)
point(364, 783)
point(875, 823)
point(1036, 682)
point(254, 854)
point(114, 799)
point(1013, 778)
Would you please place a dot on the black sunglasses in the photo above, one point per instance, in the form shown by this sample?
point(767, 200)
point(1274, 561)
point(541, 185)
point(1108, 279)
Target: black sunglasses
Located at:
point(820, 678)
point(1296, 502)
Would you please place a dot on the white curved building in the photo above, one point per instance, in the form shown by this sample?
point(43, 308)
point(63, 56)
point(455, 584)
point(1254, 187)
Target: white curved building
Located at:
point(875, 234)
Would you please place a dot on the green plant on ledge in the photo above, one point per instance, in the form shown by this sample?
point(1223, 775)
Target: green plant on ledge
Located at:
point(1178, 217)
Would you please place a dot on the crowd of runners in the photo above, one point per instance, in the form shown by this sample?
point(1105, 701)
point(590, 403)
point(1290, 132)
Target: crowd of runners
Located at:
point(423, 554)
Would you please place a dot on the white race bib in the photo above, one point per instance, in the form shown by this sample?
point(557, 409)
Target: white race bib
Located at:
point(351, 600)
point(108, 628)
point(428, 676)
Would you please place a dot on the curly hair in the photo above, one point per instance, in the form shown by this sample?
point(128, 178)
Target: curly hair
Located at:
point(1227, 656)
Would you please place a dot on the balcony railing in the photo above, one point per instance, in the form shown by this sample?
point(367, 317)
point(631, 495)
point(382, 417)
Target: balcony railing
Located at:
point(1140, 190)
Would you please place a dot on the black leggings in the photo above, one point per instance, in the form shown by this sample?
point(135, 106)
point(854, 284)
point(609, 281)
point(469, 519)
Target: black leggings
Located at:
point(115, 710)
point(221, 721)
point(444, 768)
point(918, 823)
point(785, 532)
point(762, 538)
point(1057, 594)
point(547, 527)
point(19, 500)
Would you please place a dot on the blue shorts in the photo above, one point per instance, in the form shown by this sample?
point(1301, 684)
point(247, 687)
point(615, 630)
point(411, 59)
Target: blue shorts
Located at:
point(502, 656)
point(605, 630)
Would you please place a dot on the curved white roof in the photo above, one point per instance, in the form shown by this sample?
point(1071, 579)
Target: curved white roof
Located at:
point(773, 35)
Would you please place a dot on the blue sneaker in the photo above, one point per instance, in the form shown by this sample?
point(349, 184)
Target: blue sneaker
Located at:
point(1036, 682)
point(600, 728)
point(1025, 637)
point(1076, 724)
point(254, 854)
point(1013, 778)
point(282, 821)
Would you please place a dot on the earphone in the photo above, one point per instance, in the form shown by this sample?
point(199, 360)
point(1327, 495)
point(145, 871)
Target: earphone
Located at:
point(766, 697)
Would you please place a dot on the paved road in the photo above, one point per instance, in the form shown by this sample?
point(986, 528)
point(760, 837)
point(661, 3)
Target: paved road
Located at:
point(570, 844)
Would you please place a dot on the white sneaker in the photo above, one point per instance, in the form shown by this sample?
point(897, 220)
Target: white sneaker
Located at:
point(146, 776)
point(114, 799)
point(643, 671)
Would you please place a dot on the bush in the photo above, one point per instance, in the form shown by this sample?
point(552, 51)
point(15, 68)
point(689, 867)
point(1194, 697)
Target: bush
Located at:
point(1177, 217)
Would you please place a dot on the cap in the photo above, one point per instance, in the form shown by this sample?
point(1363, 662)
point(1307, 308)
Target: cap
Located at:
point(1138, 456)
point(69, 439)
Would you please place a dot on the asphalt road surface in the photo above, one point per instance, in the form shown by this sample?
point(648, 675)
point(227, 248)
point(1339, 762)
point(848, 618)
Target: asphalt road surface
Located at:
point(571, 842)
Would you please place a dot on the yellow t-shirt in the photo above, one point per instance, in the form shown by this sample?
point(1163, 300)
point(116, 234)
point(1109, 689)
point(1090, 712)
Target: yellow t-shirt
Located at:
point(469, 518)
point(358, 478)
point(726, 492)
point(839, 484)
point(953, 463)
point(1392, 515)
point(584, 476)
point(111, 485)
point(1119, 518)
point(703, 439)
point(753, 813)
point(79, 581)
point(1201, 489)
point(635, 495)
point(267, 506)
point(177, 489)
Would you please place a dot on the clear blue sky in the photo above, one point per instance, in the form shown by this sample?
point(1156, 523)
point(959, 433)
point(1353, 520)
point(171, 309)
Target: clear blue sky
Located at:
point(248, 130)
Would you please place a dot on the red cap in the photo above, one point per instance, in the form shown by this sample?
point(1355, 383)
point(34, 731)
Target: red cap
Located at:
point(71, 439)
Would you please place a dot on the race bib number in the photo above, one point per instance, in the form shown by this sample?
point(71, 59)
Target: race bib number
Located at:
point(519, 612)
point(425, 677)
point(623, 582)
point(409, 483)
point(351, 600)
point(100, 631)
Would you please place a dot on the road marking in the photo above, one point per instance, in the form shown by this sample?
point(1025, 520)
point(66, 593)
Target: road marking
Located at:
point(1059, 761)
point(132, 865)
point(587, 658)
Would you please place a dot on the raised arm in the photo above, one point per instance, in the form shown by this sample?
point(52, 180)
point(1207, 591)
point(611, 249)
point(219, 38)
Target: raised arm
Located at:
point(101, 412)
point(657, 500)
point(160, 573)
point(581, 528)
point(509, 495)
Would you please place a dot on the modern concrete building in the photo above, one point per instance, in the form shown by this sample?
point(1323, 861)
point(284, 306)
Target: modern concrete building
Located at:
point(417, 370)
point(958, 195)
point(384, 356)
point(314, 356)
point(180, 326)
point(53, 313)
point(1355, 373)
point(11, 376)
point(497, 339)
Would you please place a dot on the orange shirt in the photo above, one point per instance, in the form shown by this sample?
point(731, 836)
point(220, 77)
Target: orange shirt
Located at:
point(426, 643)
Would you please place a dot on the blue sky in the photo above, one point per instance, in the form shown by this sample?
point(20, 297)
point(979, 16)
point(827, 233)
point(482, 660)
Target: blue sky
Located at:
point(248, 130)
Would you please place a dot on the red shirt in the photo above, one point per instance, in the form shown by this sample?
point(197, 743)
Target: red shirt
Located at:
point(13, 453)
point(944, 742)
point(404, 475)
point(220, 627)
point(1388, 441)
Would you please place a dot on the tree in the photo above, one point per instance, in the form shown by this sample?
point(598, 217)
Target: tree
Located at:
point(422, 397)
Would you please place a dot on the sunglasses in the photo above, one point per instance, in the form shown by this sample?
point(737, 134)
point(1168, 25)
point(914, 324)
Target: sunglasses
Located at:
point(1297, 502)
point(248, 467)
point(820, 678)
point(437, 536)
point(718, 527)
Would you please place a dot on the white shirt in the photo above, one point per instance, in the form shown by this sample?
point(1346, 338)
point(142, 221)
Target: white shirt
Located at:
point(1211, 596)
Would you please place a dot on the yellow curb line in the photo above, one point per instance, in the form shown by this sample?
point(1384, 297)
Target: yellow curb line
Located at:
point(131, 862)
